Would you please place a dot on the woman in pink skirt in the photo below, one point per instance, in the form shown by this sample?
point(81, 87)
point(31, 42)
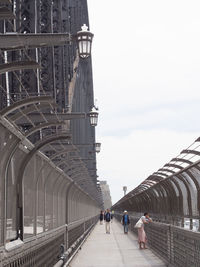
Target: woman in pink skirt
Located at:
point(142, 239)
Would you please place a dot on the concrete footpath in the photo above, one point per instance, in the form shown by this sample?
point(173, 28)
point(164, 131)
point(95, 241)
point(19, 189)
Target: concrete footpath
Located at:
point(114, 250)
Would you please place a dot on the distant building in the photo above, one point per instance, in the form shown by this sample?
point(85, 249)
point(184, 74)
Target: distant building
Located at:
point(106, 194)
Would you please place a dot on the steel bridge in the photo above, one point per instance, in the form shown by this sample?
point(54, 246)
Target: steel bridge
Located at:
point(49, 193)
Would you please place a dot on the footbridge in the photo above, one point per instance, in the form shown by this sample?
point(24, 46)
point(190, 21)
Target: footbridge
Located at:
point(50, 197)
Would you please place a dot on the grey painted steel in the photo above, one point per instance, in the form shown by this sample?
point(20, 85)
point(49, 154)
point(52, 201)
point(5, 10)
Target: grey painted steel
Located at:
point(18, 65)
point(20, 175)
point(174, 165)
point(43, 125)
point(36, 117)
point(178, 247)
point(182, 160)
point(25, 102)
point(31, 109)
point(166, 170)
point(12, 42)
point(5, 2)
point(189, 151)
point(160, 173)
point(6, 13)
point(69, 83)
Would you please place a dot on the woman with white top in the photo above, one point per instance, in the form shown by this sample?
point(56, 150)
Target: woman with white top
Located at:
point(142, 239)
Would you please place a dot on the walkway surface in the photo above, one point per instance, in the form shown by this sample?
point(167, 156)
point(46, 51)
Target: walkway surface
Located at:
point(114, 250)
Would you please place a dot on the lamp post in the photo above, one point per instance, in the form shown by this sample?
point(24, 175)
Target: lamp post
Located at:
point(124, 189)
point(93, 117)
point(10, 41)
point(97, 147)
point(84, 41)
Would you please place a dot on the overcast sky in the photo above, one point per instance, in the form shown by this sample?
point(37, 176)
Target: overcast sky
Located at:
point(146, 71)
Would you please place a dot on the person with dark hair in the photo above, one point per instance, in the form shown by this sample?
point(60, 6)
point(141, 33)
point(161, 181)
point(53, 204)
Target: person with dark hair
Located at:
point(108, 219)
point(125, 221)
point(101, 216)
point(142, 239)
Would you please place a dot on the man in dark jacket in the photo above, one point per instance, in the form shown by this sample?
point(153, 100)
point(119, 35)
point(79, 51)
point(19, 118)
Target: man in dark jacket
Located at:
point(108, 219)
point(125, 221)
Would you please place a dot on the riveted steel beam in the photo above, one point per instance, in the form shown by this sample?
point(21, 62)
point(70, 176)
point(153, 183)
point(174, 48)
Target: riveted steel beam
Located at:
point(18, 65)
point(15, 41)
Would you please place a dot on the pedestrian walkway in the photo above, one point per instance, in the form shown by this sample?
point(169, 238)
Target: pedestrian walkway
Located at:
point(114, 250)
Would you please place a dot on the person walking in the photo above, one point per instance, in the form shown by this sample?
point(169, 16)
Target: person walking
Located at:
point(142, 238)
point(108, 219)
point(101, 217)
point(125, 221)
point(104, 215)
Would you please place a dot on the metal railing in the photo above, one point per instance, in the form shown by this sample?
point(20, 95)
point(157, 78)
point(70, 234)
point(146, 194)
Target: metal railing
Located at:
point(176, 246)
point(44, 249)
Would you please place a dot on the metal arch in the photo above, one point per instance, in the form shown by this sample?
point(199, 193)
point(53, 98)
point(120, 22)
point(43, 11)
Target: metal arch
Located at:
point(22, 167)
point(55, 189)
point(189, 151)
point(172, 195)
point(76, 200)
point(180, 195)
point(167, 170)
point(25, 102)
point(148, 201)
point(156, 177)
point(149, 182)
point(75, 189)
point(182, 160)
point(143, 201)
point(155, 192)
point(70, 161)
point(155, 196)
point(30, 109)
point(160, 173)
point(43, 125)
point(19, 65)
point(189, 199)
point(13, 150)
point(174, 165)
point(45, 200)
point(160, 190)
point(197, 188)
point(70, 148)
point(78, 167)
point(67, 201)
point(68, 164)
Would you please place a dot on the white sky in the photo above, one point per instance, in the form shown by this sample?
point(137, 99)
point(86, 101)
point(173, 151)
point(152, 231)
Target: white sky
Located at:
point(146, 71)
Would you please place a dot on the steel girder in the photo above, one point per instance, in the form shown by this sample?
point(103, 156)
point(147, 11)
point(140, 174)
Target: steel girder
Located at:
point(19, 41)
point(18, 65)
